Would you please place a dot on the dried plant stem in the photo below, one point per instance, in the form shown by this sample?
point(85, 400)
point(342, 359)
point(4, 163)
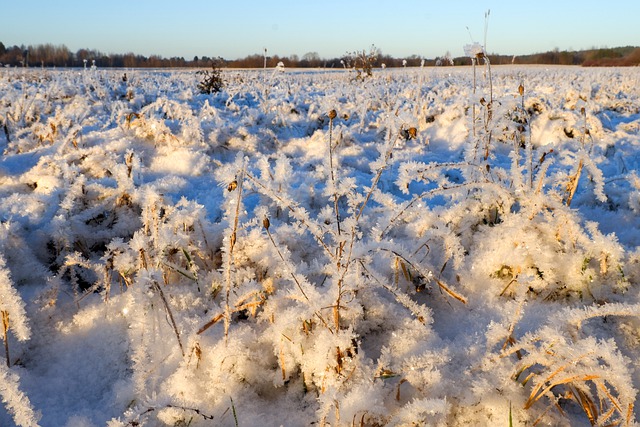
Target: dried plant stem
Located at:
point(149, 410)
point(293, 210)
point(374, 184)
point(428, 194)
point(473, 108)
point(402, 298)
point(573, 184)
point(542, 388)
point(5, 330)
point(230, 245)
point(6, 131)
point(157, 287)
point(488, 64)
point(210, 323)
point(424, 274)
point(292, 274)
point(336, 209)
point(489, 109)
point(233, 406)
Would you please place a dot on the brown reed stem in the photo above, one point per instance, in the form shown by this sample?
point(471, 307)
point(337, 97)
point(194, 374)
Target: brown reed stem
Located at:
point(5, 330)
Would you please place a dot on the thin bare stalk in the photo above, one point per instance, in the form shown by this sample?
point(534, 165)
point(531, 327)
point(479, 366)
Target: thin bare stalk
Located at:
point(5, 330)
point(345, 268)
point(440, 283)
point(413, 307)
point(374, 184)
point(473, 109)
point(235, 186)
point(428, 194)
point(573, 184)
point(293, 276)
point(233, 406)
point(6, 130)
point(293, 210)
point(266, 225)
point(170, 313)
point(332, 115)
point(488, 64)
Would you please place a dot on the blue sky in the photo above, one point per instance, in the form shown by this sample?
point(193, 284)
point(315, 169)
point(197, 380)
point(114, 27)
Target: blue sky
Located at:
point(237, 28)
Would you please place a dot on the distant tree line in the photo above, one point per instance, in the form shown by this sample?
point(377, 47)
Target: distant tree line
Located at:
point(50, 55)
point(602, 57)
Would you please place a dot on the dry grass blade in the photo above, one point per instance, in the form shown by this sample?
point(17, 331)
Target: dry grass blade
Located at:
point(612, 399)
point(405, 272)
point(449, 291)
point(283, 368)
point(587, 404)
point(210, 323)
point(428, 275)
point(538, 392)
point(539, 419)
point(573, 184)
point(5, 330)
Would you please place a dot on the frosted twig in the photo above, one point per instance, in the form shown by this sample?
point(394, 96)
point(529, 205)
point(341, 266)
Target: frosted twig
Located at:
point(432, 193)
point(157, 287)
point(297, 212)
point(376, 179)
point(427, 275)
point(5, 330)
point(422, 313)
point(235, 185)
point(332, 115)
point(573, 183)
point(291, 273)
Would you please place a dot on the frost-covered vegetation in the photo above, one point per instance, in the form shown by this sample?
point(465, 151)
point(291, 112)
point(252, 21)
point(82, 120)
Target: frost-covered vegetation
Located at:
point(421, 247)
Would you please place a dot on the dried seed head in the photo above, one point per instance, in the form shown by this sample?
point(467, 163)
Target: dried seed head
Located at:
point(413, 133)
point(268, 285)
point(232, 185)
point(521, 89)
point(333, 114)
point(266, 223)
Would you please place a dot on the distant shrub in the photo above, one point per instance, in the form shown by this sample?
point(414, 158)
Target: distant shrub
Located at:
point(362, 62)
point(212, 81)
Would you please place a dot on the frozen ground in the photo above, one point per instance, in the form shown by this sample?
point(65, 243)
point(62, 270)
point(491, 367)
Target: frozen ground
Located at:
point(433, 253)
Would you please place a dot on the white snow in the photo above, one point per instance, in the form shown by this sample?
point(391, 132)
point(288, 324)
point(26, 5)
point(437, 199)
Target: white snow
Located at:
point(435, 254)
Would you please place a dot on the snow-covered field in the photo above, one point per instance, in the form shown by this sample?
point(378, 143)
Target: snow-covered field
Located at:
point(304, 249)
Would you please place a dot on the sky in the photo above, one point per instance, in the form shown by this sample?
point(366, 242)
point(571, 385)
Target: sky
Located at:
point(237, 28)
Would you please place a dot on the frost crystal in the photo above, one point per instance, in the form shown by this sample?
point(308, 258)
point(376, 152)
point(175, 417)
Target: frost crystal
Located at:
point(12, 304)
point(16, 402)
point(474, 50)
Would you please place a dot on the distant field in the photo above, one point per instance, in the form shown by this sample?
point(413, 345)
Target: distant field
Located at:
point(425, 246)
